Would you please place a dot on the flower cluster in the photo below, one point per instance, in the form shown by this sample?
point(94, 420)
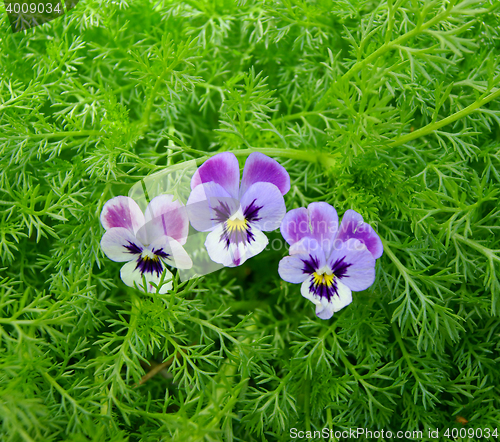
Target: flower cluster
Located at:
point(237, 213)
point(330, 261)
point(147, 242)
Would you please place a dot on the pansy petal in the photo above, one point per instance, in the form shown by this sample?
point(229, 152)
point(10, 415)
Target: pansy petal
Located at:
point(336, 303)
point(309, 246)
point(306, 292)
point(309, 258)
point(263, 206)
point(209, 205)
point(171, 252)
point(122, 211)
point(222, 169)
point(131, 275)
point(119, 244)
point(295, 225)
point(353, 226)
point(323, 312)
point(352, 264)
point(324, 307)
point(231, 254)
point(261, 168)
point(291, 269)
point(166, 217)
point(324, 222)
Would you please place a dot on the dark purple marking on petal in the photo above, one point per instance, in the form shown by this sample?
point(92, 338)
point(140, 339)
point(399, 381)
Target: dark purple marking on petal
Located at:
point(236, 231)
point(310, 265)
point(339, 268)
point(222, 212)
point(150, 265)
point(324, 290)
point(160, 253)
point(252, 211)
point(325, 286)
point(236, 235)
point(133, 248)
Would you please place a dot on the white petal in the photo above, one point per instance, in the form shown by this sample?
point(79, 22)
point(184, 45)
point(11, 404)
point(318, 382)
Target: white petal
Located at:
point(131, 276)
point(344, 297)
point(307, 293)
point(236, 253)
point(119, 244)
point(291, 268)
point(324, 308)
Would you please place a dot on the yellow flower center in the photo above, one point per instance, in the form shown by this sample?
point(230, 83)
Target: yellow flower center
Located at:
point(323, 278)
point(236, 225)
point(149, 256)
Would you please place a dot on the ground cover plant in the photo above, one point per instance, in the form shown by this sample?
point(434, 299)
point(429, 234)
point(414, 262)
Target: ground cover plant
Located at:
point(389, 108)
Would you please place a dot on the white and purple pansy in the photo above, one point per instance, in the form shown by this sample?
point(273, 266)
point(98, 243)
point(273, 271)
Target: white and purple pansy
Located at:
point(147, 241)
point(329, 261)
point(235, 214)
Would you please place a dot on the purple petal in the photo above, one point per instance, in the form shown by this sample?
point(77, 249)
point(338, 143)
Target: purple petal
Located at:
point(261, 168)
point(291, 269)
point(263, 206)
point(295, 225)
point(132, 275)
point(352, 264)
point(222, 169)
point(309, 246)
point(209, 205)
point(306, 258)
point(119, 244)
point(166, 217)
point(122, 211)
point(352, 226)
point(231, 254)
point(324, 223)
point(318, 221)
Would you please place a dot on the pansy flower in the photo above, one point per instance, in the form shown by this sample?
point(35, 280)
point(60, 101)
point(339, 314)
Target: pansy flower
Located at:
point(329, 261)
point(147, 242)
point(237, 213)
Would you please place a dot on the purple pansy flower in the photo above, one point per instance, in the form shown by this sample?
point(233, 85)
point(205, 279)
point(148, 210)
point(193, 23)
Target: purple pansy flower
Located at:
point(236, 213)
point(147, 241)
point(329, 261)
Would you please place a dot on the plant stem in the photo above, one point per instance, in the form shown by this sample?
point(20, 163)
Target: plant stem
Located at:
point(450, 119)
point(358, 66)
point(77, 133)
point(311, 156)
point(406, 355)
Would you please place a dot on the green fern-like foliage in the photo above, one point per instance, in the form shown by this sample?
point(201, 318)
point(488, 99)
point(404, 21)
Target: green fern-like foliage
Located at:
point(389, 108)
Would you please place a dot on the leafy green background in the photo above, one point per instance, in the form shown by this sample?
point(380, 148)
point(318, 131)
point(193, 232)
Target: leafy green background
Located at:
point(389, 108)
